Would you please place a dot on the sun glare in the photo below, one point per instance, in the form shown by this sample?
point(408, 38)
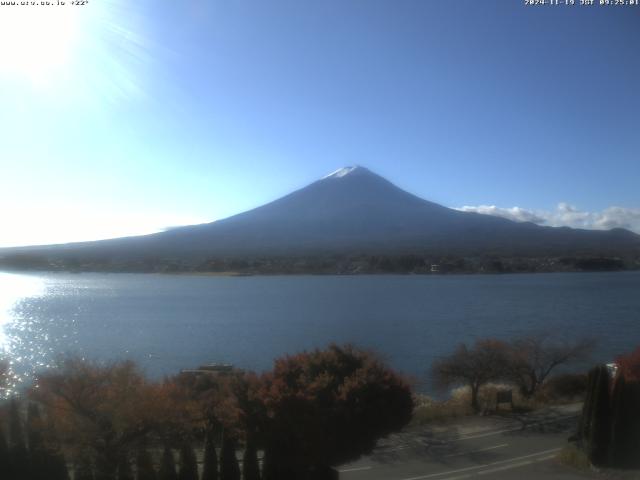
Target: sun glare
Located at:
point(37, 40)
point(91, 53)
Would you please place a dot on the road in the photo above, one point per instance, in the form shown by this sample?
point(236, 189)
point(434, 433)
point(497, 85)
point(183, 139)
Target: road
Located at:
point(507, 447)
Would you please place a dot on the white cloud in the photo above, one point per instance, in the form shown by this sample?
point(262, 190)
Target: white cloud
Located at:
point(566, 215)
point(514, 213)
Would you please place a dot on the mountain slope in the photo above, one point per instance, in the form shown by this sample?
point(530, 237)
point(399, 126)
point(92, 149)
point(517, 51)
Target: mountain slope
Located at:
point(354, 211)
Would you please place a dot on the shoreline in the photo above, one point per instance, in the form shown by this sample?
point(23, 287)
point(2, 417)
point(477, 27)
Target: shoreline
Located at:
point(231, 274)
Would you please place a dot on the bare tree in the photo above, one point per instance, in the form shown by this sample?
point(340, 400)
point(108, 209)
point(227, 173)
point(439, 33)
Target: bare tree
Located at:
point(473, 367)
point(535, 356)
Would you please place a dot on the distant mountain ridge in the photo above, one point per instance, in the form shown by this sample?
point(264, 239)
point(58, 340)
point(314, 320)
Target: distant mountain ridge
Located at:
point(351, 211)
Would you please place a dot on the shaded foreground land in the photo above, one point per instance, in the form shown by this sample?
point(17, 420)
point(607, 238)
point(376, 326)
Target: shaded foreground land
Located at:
point(508, 446)
point(312, 411)
point(325, 264)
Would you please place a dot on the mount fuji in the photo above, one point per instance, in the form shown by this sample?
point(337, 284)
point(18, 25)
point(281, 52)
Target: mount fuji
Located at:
point(350, 211)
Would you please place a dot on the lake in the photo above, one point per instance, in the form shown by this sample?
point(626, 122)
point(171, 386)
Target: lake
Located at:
point(170, 322)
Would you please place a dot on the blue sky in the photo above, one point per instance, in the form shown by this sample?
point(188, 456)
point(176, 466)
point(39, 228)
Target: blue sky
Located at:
point(125, 117)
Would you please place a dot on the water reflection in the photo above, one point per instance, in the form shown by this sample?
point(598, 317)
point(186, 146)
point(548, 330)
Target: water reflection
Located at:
point(14, 289)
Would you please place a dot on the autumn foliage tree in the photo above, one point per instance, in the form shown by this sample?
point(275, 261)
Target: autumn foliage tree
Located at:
point(629, 365)
point(313, 411)
point(243, 417)
point(97, 410)
point(193, 404)
point(327, 407)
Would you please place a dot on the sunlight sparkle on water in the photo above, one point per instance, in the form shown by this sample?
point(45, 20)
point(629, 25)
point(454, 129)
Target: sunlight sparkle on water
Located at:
point(13, 288)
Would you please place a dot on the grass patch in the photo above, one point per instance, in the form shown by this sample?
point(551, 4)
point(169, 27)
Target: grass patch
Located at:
point(572, 456)
point(428, 410)
point(559, 390)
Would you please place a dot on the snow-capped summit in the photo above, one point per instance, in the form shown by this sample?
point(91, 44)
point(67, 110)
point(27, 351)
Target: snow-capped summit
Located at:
point(344, 171)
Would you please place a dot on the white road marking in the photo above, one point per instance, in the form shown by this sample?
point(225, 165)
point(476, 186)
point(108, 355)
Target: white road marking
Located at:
point(477, 451)
point(516, 465)
point(494, 470)
point(476, 467)
point(354, 469)
point(506, 467)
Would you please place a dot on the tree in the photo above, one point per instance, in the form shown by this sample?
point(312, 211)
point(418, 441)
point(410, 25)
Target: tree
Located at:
point(144, 465)
point(472, 367)
point(193, 403)
point(210, 467)
point(167, 466)
point(34, 428)
point(16, 430)
point(250, 466)
point(600, 421)
point(124, 467)
point(188, 463)
point(107, 409)
point(535, 356)
point(595, 423)
point(39, 457)
point(327, 407)
point(46, 460)
point(629, 365)
point(19, 465)
point(58, 467)
point(5, 378)
point(620, 433)
point(5, 469)
point(83, 469)
point(243, 417)
point(625, 421)
point(229, 469)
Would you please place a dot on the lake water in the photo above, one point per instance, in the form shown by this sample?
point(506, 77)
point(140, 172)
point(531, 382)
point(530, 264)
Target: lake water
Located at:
point(171, 322)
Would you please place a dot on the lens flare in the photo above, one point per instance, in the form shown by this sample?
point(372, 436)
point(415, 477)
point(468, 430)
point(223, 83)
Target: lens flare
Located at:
point(96, 51)
point(36, 40)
